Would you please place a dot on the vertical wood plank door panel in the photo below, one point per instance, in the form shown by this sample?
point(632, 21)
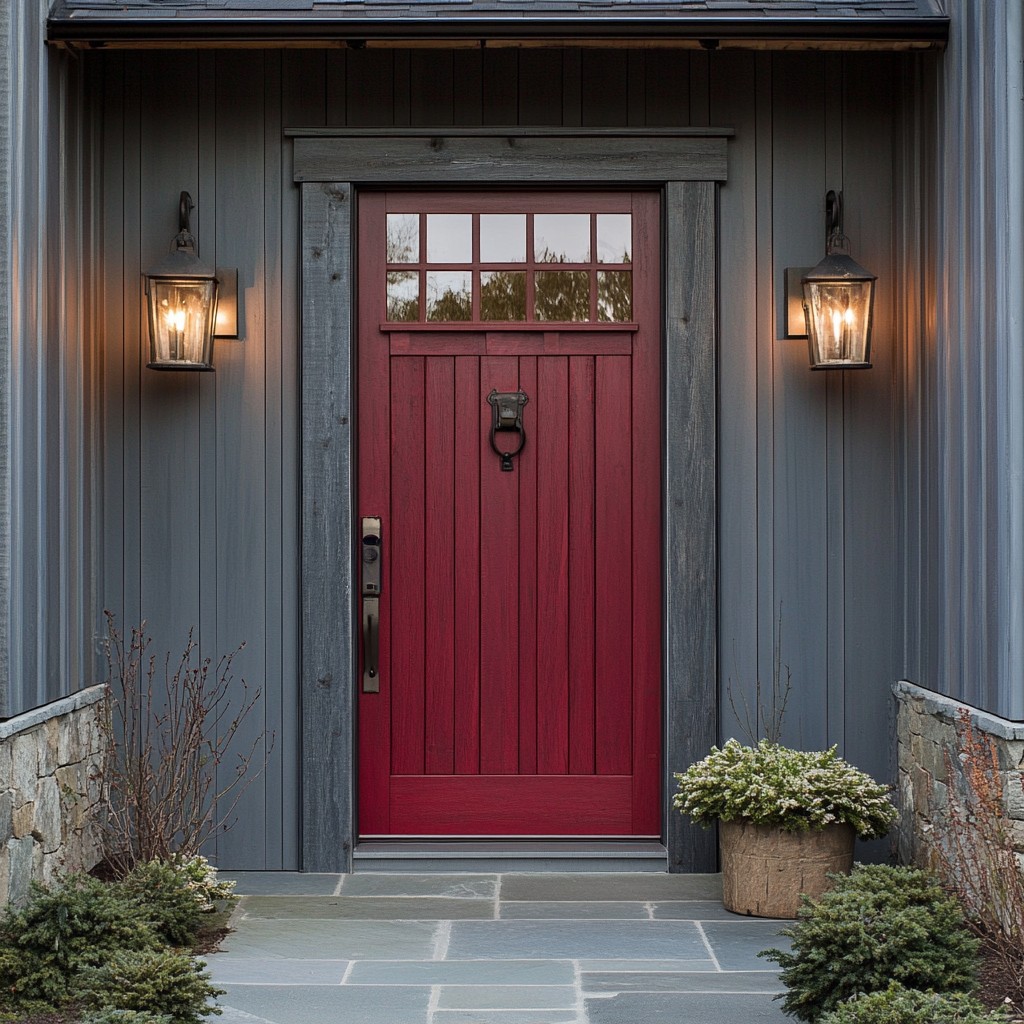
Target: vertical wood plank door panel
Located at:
point(519, 627)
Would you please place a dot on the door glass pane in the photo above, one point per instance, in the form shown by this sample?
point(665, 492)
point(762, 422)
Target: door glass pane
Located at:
point(403, 245)
point(614, 238)
point(403, 295)
point(561, 237)
point(503, 295)
point(502, 237)
point(449, 238)
point(562, 295)
point(614, 296)
point(449, 295)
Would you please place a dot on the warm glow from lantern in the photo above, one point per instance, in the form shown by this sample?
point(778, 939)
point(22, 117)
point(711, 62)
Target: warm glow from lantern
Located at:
point(176, 319)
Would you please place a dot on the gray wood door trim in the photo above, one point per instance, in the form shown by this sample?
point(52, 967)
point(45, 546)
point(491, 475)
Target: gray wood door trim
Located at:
point(444, 157)
point(327, 655)
point(690, 512)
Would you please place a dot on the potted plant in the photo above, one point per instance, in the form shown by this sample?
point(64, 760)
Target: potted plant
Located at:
point(788, 820)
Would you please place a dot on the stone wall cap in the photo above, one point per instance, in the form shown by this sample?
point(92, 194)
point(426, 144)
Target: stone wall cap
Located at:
point(37, 716)
point(934, 703)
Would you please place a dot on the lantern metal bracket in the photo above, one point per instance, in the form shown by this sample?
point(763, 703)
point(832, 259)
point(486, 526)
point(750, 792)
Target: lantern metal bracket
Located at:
point(835, 240)
point(227, 277)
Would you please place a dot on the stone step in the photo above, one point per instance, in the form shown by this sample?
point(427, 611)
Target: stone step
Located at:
point(490, 856)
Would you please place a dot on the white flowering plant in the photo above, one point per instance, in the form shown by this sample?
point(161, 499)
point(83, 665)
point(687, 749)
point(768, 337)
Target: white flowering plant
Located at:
point(202, 881)
point(796, 790)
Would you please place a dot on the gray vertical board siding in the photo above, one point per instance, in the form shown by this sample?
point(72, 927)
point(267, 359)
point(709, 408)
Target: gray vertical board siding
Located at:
point(371, 87)
point(871, 555)
point(207, 460)
point(27, 394)
point(170, 440)
point(766, 394)
point(691, 595)
point(604, 88)
point(26, 304)
point(500, 87)
point(667, 97)
point(334, 67)
point(764, 329)
point(328, 612)
point(109, 341)
point(965, 425)
point(241, 472)
point(540, 87)
point(431, 87)
point(467, 85)
point(801, 445)
point(281, 698)
point(733, 91)
point(572, 88)
point(836, 131)
point(45, 389)
point(9, 701)
point(302, 102)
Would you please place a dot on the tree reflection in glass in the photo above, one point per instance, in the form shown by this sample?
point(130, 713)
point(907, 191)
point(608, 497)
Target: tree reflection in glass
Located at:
point(614, 296)
point(503, 295)
point(449, 295)
point(562, 295)
point(403, 296)
point(403, 238)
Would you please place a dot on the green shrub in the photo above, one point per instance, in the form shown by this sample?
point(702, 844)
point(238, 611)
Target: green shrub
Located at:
point(62, 930)
point(899, 1005)
point(878, 925)
point(167, 899)
point(164, 982)
point(111, 1016)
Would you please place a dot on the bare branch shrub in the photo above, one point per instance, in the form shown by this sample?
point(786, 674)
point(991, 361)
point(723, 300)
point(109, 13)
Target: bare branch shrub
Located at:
point(977, 858)
point(764, 720)
point(167, 734)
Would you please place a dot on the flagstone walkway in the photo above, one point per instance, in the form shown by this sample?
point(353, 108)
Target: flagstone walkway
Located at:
point(492, 949)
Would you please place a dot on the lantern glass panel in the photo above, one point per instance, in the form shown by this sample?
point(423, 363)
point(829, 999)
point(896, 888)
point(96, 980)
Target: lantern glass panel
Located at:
point(181, 320)
point(838, 321)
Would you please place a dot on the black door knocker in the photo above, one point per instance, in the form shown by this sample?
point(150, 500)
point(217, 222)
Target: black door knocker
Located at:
point(508, 419)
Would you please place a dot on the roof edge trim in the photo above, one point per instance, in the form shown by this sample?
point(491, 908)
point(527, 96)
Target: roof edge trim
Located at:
point(93, 31)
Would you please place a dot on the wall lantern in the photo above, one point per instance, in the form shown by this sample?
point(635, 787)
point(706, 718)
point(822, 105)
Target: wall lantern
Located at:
point(839, 296)
point(183, 295)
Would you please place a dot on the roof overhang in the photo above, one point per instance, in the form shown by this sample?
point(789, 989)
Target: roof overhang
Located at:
point(374, 24)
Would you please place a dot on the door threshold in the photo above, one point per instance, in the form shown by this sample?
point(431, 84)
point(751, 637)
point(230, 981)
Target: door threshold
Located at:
point(497, 856)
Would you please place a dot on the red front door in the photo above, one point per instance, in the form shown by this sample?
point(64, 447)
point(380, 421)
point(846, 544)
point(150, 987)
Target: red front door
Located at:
point(519, 614)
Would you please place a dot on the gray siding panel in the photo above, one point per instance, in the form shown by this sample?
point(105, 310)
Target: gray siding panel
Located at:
point(806, 464)
point(963, 171)
point(47, 387)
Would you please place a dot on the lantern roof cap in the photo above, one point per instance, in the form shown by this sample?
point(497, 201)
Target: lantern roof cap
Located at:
point(838, 266)
point(182, 262)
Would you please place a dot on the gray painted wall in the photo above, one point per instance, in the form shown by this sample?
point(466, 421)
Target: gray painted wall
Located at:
point(961, 348)
point(48, 439)
point(201, 498)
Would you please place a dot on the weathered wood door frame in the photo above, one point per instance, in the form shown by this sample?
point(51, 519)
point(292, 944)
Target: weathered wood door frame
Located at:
point(330, 166)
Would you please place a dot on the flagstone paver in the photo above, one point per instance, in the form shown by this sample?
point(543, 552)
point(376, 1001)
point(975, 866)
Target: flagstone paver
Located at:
point(493, 949)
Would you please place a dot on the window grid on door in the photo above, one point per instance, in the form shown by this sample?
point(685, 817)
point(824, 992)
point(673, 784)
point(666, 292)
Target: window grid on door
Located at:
point(491, 268)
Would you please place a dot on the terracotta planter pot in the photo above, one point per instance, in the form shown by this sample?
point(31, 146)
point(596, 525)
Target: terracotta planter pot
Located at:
point(765, 869)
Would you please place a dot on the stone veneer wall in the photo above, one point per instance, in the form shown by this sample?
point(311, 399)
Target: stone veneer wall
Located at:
point(925, 730)
point(51, 759)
